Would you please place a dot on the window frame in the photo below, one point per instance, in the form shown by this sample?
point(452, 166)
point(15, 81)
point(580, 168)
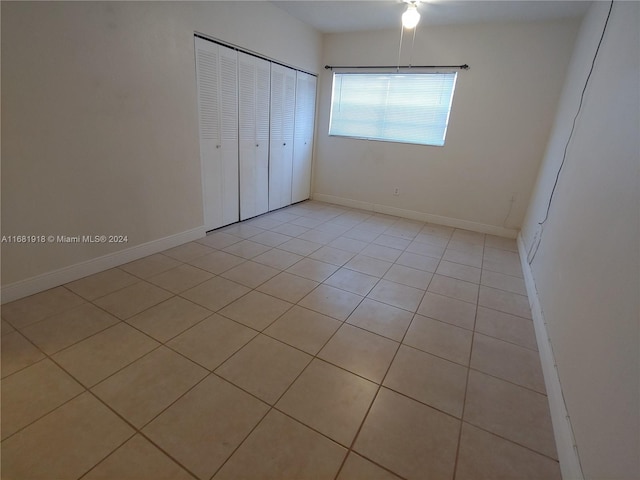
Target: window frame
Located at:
point(399, 73)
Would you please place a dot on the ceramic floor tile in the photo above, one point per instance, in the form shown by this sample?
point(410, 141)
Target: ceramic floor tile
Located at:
point(34, 308)
point(381, 252)
point(306, 222)
point(256, 310)
point(459, 271)
point(368, 265)
point(66, 443)
point(468, 236)
point(271, 239)
point(304, 329)
point(264, 367)
point(66, 328)
point(350, 244)
point(288, 287)
point(361, 234)
point(279, 259)
point(465, 258)
point(380, 318)
point(250, 274)
point(203, 428)
point(299, 246)
point(506, 265)
point(429, 379)
point(484, 456)
point(332, 255)
point(290, 230)
point(352, 281)
point(409, 438)
point(318, 236)
point(281, 215)
point(101, 284)
point(440, 338)
point(510, 362)
point(506, 327)
point(447, 309)
point(465, 247)
point(149, 266)
point(180, 278)
point(34, 392)
point(97, 357)
point(145, 388)
point(426, 249)
point(188, 251)
point(510, 411)
point(17, 353)
point(138, 459)
point(427, 264)
point(313, 269)
point(331, 301)
point(424, 237)
point(504, 301)
point(360, 352)
point(125, 303)
point(212, 341)
point(219, 240)
point(263, 221)
point(392, 242)
point(438, 230)
point(397, 295)
point(216, 293)
point(169, 318)
point(504, 282)
point(247, 249)
point(217, 262)
point(281, 448)
point(408, 276)
point(242, 230)
point(501, 243)
point(451, 287)
point(6, 328)
point(358, 468)
point(329, 400)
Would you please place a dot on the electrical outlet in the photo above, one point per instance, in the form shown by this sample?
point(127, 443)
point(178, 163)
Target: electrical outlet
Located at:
point(396, 191)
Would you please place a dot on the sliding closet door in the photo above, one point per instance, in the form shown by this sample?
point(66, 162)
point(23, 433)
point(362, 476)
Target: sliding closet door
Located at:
point(217, 77)
point(254, 76)
point(303, 141)
point(283, 99)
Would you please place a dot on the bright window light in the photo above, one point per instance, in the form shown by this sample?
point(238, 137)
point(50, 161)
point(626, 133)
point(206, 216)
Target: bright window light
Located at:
point(394, 107)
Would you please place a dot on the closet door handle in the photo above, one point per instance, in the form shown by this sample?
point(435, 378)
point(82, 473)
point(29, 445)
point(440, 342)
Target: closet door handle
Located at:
point(257, 144)
point(284, 144)
point(218, 146)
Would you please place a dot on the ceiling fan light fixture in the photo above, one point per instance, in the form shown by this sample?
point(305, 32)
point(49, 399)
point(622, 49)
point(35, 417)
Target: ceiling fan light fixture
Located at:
point(411, 16)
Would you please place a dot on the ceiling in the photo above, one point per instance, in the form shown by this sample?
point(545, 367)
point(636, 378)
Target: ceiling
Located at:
point(348, 16)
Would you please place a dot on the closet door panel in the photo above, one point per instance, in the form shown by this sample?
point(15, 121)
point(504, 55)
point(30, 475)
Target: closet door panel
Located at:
point(254, 80)
point(303, 142)
point(207, 69)
point(216, 73)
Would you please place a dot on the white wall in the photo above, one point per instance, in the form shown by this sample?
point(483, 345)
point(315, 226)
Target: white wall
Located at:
point(502, 112)
point(99, 118)
point(587, 266)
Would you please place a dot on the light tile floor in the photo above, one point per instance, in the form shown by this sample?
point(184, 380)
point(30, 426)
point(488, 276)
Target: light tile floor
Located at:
point(312, 342)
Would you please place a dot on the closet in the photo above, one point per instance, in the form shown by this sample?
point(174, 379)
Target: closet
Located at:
point(256, 133)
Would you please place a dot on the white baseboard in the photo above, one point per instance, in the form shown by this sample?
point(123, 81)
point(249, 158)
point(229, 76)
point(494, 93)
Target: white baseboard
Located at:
point(420, 216)
point(562, 430)
point(68, 274)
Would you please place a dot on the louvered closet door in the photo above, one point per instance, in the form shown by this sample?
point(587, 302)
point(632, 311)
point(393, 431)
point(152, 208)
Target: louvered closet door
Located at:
point(254, 77)
point(283, 91)
point(303, 141)
point(217, 78)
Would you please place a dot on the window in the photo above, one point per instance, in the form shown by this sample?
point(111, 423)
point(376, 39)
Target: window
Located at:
point(395, 107)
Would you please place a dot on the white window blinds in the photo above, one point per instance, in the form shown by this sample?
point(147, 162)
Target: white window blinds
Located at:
point(396, 107)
